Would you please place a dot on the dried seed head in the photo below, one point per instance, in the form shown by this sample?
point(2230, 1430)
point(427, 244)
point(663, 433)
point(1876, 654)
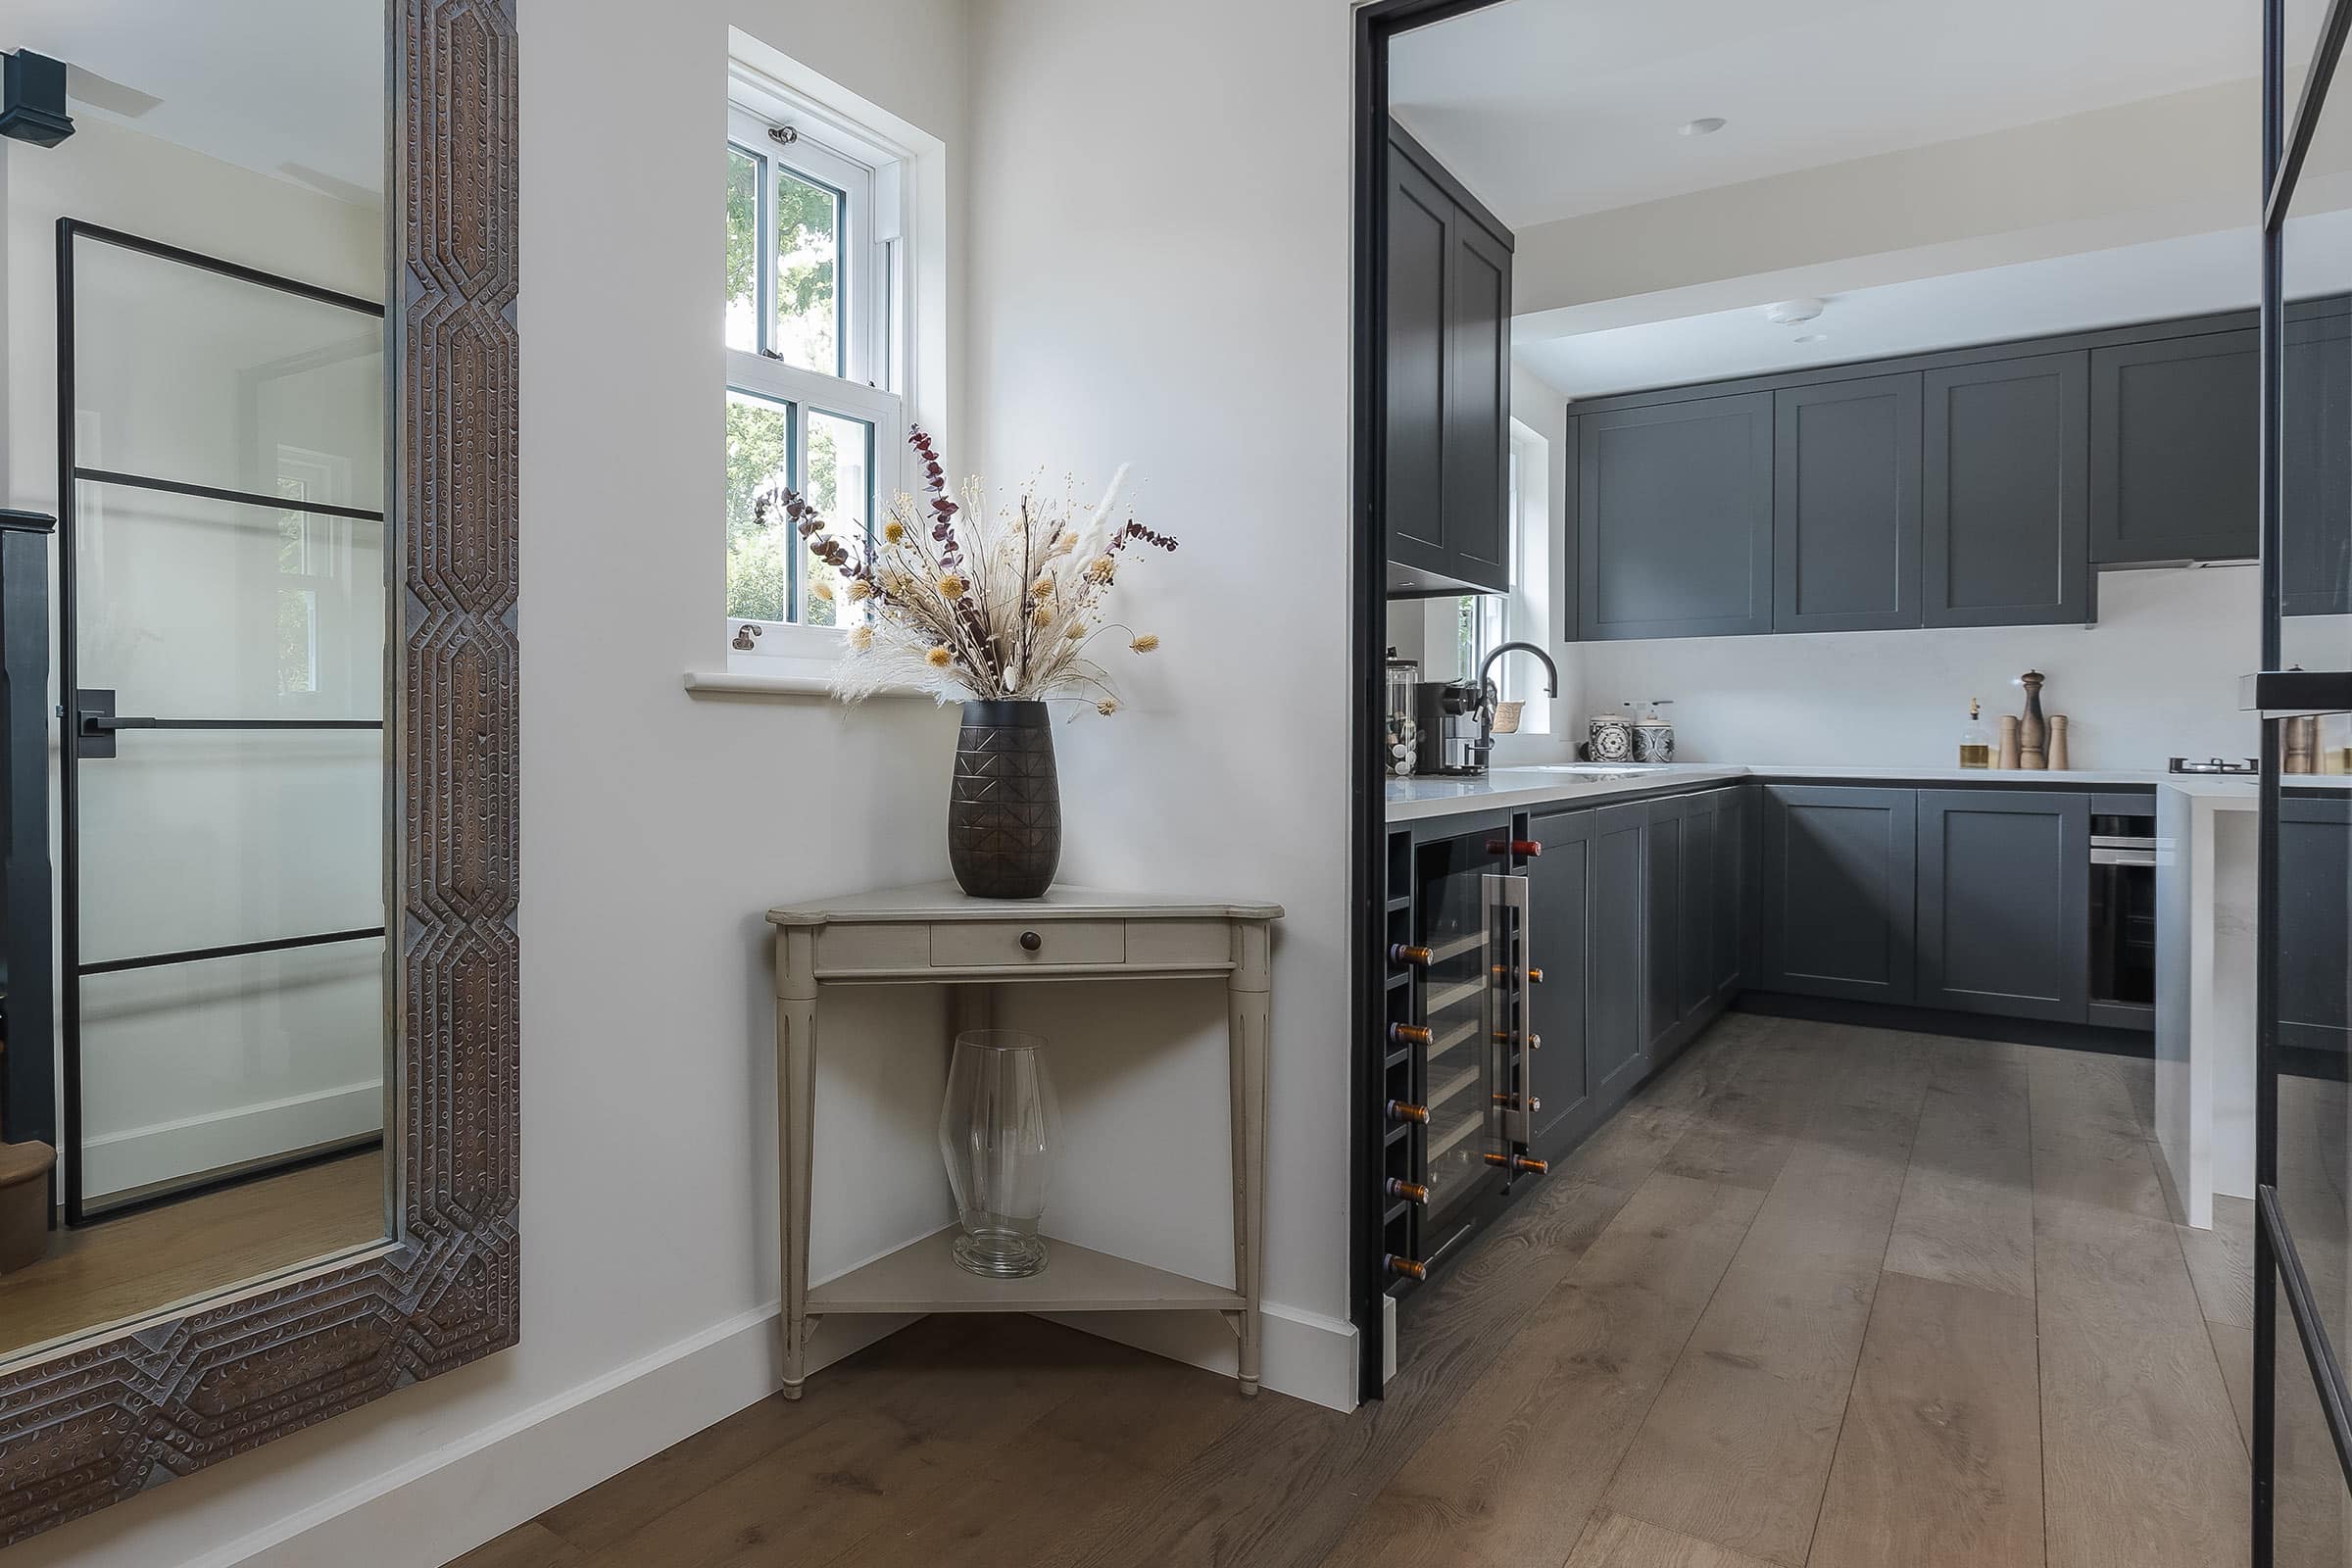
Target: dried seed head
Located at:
point(861, 638)
point(939, 658)
point(1146, 643)
point(1106, 708)
point(952, 586)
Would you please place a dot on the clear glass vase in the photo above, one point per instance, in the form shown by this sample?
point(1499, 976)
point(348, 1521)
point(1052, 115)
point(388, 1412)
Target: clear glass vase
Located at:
point(995, 1132)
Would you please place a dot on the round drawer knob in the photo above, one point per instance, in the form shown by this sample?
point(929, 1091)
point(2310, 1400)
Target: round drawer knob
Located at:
point(1031, 942)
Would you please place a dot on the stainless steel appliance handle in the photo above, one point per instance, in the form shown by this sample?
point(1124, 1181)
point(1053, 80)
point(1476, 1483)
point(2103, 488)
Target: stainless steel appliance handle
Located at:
point(2117, 857)
point(2121, 840)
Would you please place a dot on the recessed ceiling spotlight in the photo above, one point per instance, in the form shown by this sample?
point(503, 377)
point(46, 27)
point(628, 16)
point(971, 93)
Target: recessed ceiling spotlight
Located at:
point(1706, 126)
point(1811, 337)
point(1790, 312)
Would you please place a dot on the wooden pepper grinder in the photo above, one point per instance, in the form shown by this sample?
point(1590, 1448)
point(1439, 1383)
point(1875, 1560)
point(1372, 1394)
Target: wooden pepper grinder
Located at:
point(2006, 759)
point(2058, 760)
point(2033, 731)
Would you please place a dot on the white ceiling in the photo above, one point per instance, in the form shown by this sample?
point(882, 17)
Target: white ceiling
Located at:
point(2182, 276)
point(1551, 107)
point(292, 88)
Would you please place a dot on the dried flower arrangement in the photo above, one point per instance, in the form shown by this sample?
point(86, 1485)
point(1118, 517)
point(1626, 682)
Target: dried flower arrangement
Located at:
point(968, 603)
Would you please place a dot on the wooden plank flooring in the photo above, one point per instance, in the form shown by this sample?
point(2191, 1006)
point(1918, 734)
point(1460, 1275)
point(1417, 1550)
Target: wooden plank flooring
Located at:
point(1820, 1298)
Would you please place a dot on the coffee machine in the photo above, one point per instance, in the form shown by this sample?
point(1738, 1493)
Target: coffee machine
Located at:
point(1449, 716)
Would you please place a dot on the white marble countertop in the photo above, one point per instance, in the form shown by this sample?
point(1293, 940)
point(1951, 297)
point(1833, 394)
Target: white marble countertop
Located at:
point(1530, 786)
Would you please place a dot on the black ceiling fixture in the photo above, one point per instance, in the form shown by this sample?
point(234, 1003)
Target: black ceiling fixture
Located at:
point(34, 106)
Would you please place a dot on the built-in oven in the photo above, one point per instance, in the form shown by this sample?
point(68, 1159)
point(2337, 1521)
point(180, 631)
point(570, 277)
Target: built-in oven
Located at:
point(1457, 1061)
point(2122, 914)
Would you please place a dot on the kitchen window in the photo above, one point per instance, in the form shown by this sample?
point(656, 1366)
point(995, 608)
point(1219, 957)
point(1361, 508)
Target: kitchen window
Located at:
point(1483, 623)
point(813, 321)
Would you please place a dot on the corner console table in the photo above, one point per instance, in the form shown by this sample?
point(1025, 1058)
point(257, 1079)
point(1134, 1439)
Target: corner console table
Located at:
point(935, 933)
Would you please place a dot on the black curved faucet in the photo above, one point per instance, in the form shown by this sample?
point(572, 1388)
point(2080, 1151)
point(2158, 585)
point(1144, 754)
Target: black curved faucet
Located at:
point(1488, 695)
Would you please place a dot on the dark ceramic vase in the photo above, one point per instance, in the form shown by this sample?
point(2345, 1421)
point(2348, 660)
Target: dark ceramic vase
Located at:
point(1004, 810)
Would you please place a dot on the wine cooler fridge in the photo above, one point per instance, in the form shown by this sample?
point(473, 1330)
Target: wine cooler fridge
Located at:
point(1457, 1063)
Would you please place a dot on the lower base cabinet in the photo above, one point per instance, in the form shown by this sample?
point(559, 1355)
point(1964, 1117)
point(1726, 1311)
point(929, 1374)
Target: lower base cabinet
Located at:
point(1559, 900)
point(1840, 874)
point(1637, 916)
point(2315, 905)
point(2005, 903)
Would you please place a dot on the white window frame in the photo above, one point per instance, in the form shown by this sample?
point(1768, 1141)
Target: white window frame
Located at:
point(872, 176)
point(1523, 614)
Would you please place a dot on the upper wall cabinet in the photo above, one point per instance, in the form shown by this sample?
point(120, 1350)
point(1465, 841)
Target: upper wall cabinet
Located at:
point(1448, 419)
point(2174, 450)
point(1674, 519)
point(2005, 515)
point(2315, 492)
point(1846, 505)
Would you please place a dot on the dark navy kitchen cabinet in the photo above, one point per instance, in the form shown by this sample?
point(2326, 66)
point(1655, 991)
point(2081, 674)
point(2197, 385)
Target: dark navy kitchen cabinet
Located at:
point(1846, 505)
point(1662, 924)
point(2005, 903)
point(1614, 981)
point(2315, 486)
point(1559, 903)
point(2174, 449)
point(1447, 419)
point(1694, 956)
point(1839, 878)
point(2006, 513)
point(1674, 519)
point(2315, 872)
point(1735, 843)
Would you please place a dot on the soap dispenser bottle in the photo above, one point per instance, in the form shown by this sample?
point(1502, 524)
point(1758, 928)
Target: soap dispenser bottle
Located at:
point(1976, 745)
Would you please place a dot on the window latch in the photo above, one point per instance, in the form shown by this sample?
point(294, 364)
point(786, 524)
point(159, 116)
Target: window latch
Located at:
point(783, 135)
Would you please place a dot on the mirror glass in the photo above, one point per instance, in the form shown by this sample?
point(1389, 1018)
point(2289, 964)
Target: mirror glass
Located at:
point(196, 1092)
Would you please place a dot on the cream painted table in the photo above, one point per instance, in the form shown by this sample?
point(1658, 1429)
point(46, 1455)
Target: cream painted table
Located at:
point(935, 933)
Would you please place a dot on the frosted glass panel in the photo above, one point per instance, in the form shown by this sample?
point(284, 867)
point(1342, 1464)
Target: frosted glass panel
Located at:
point(191, 376)
point(216, 1065)
point(208, 839)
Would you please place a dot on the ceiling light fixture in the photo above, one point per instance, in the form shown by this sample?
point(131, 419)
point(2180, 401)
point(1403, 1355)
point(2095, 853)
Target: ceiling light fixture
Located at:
point(1706, 126)
point(1811, 337)
point(1790, 312)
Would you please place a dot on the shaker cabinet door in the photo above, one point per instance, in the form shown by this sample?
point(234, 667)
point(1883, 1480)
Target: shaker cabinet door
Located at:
point(1846, 505)
point(1674, 519)
point(1614, 983)
point(2005, 903)
point(2006, 509)
point(1478, 437)
point(2174, 449)
point(1420, 247)
point(1840, 872)
point(1559, 897)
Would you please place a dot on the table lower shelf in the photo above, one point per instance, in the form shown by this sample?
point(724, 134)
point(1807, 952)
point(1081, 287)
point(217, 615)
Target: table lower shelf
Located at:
point(925, 1277)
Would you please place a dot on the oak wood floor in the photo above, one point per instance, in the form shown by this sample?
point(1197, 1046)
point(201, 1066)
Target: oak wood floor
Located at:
point(143, 1263)
point(1820, 1296)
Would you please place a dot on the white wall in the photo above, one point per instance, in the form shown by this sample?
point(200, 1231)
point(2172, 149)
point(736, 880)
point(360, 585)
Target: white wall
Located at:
point(1162, 280)
point(656, 829)
point(2156, 678)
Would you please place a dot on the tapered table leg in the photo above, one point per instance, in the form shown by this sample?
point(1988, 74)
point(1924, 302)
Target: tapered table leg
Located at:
point(1249, 1007)
point(796, 1100)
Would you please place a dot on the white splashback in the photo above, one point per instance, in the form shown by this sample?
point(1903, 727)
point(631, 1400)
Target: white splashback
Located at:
point(2156, 678)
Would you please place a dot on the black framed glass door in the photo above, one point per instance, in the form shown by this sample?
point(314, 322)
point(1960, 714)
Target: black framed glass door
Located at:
point(2302, 1439)
point(222, 674)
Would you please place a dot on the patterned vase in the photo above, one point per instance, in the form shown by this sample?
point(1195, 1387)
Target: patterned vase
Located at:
point(1004, 810)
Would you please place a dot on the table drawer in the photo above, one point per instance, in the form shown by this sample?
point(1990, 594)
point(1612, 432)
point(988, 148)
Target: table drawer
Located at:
point(976, 944)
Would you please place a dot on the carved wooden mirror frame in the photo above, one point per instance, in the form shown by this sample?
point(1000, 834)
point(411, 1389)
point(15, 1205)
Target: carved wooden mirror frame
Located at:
point(109, 1416)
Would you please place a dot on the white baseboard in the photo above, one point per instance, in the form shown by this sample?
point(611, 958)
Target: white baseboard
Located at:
point(443, 1505)
point(173, 1150)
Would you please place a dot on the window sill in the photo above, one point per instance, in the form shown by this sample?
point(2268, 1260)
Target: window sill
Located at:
point(728, 685)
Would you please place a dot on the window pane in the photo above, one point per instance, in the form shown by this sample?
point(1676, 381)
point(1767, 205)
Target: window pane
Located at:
point(759, 458)
point(841, 465)
point(742, 250)
point(807, 324)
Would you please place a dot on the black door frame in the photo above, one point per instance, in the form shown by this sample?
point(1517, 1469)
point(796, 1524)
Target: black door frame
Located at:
point(2286, 138)
point(1376, 27)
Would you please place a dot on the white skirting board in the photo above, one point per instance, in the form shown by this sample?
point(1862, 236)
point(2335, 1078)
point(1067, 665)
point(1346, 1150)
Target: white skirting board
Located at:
point(218, 1139)
point(444, 1504)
